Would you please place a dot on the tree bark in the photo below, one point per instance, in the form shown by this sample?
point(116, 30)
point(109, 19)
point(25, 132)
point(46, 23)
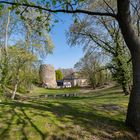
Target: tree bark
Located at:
point(16, 85)
point(14, 92)
point(6, 33)
point(133, 43)
point(5, 56)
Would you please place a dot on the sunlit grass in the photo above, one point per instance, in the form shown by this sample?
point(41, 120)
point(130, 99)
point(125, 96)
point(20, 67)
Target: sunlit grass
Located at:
point(41, 90)
point(93, 115)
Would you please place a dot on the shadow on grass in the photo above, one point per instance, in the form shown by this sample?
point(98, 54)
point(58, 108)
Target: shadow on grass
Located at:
point(11, 118)
point(90, 120)
point(4, 131)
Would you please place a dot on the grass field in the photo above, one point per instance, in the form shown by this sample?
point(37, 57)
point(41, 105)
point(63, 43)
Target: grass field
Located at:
point(40, 91)
point(90, 116)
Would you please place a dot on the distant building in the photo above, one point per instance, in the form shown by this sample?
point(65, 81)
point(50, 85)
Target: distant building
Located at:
point(73, 80)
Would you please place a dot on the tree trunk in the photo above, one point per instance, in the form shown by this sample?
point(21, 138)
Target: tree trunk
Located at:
point(14, 92)
point(133, 113)
point(133, 43)
point(16, 85)
point(5, 57)
point(6, 33)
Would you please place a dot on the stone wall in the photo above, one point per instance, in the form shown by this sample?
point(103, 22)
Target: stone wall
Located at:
point(47, 76)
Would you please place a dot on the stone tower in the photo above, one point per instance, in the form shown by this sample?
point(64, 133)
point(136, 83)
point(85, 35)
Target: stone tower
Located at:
point(47, 76)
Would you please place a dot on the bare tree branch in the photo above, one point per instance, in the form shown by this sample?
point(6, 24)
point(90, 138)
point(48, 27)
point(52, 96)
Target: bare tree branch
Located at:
point(82, 11)
point(109, 7)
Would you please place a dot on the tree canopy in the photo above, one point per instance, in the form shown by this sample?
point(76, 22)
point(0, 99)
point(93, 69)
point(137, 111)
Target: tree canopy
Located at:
point(59, 75)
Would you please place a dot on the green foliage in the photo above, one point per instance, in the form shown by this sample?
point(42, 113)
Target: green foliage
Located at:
point(122, 70)
point(20, 66)
point(56, 21)
point(106, 37)
point(54, 2)
point(18, 63)
point(90, 67)
point(59, 75)
point(1, 7)
point(17, 69)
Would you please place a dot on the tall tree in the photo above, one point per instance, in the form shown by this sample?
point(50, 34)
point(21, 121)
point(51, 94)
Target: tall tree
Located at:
point(20, 60)
point(19, 30)
point(90, 66)
point(4, 55)
point(106, 36)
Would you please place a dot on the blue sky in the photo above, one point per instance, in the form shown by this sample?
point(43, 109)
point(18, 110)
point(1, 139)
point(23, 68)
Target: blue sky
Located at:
point(63, 55)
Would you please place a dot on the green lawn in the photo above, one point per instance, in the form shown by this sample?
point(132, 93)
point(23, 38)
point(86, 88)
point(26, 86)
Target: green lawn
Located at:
point(90, 116)
point(40, 91)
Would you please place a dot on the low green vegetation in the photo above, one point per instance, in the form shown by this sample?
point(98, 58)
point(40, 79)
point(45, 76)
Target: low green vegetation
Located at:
point(96, 115)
